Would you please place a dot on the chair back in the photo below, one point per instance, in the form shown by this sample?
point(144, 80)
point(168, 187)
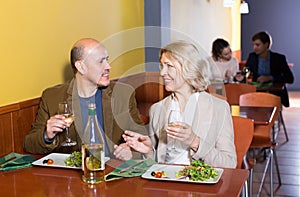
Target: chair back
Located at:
point(219, 96)
point(243, 134)
point(261, 99)
point(242, 64)
point(234, 90)
point(262, 135)
point(216, 88)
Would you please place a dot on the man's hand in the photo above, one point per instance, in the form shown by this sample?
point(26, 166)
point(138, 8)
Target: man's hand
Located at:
point(264, 78)
point(54, 125)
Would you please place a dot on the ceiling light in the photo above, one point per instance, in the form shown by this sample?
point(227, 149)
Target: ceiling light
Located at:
point(244, 8)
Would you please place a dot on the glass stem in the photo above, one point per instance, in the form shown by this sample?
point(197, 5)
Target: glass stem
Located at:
point(67, 134)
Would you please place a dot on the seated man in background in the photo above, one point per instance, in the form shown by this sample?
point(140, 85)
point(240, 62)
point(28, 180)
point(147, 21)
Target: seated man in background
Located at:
point(115, 102)
point(267, 66)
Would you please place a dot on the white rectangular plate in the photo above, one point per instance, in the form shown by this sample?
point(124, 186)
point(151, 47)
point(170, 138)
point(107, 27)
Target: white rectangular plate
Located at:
point(171, 170)
point(58, 161)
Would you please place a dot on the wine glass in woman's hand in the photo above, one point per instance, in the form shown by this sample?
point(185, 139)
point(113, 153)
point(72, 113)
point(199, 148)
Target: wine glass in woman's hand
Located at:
point(65, 110)
point(174, 116)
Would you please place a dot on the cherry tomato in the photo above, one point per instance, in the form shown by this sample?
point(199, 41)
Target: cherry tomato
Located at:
point(158, 175)
point(50, 161)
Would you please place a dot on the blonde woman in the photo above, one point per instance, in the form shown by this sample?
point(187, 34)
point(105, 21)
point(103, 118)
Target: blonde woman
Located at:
point(205, 131)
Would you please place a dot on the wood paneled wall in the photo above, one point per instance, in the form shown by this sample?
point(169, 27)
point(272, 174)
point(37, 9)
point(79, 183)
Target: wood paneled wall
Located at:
point(16, 119)
point(15, 123)
point(148, 88)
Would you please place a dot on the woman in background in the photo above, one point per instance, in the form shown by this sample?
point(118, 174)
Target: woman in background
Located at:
point(223, 66)
point(205, 131)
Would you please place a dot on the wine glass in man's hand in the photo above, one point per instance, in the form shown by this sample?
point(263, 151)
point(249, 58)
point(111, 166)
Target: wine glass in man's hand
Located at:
point(65, 110)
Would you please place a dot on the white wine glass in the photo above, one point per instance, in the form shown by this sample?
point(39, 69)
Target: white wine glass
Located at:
point(174, 116)
point(65, 110)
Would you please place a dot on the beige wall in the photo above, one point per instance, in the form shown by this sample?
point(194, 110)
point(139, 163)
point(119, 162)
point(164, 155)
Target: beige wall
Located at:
point(36, 37)
point(205, 20)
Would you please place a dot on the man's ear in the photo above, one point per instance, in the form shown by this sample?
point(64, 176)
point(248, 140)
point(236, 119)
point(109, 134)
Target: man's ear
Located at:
point(80, 66)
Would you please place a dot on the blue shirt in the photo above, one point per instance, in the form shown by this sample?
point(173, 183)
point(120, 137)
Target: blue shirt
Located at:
point(264, 66)
point(97, 99)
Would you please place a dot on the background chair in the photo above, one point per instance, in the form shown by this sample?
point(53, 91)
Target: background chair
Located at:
point(216, 88)
point(262, 133)
point(242, 64)
point(281, 122)
point(219, 96)
point(243, 134)
point(234, 90)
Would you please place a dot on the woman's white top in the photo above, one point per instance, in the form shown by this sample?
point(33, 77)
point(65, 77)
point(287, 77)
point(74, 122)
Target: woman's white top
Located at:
point(221, 71)
point(209, 118)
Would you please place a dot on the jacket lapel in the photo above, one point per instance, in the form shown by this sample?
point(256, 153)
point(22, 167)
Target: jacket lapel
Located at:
point(108, 116)
point(73, 100)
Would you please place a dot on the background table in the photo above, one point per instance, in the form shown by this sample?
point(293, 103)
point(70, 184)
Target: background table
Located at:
point(260, 115)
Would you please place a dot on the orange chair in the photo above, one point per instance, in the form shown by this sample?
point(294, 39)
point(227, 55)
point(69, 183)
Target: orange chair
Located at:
point(242, 64)
point(234, 90)
point(243, 134)
point(219, 96)
point(216, 88)
point(281, 122)
point(262, 133)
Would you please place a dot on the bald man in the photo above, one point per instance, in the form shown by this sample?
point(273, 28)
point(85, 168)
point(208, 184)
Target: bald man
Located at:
point(115, 105)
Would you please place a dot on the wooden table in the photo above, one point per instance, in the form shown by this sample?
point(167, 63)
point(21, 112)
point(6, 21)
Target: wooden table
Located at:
point(47, 181)
point(260, 115)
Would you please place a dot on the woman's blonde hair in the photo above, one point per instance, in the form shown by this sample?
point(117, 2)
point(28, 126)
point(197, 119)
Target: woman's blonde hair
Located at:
point(194, 68)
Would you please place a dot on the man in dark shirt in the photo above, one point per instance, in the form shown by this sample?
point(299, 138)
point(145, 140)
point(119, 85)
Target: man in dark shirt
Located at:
point(268, 66)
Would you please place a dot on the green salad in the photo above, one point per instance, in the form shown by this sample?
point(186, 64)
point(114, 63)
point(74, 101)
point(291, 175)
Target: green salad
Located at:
point(197, 171)
point(74, 159)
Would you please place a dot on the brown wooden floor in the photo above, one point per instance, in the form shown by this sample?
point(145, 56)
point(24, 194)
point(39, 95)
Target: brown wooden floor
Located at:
point(288, 154)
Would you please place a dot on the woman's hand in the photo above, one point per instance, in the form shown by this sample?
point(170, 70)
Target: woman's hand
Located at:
point(138, 142)
point(122, 152)
point(183, 132)
point(239, 77)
